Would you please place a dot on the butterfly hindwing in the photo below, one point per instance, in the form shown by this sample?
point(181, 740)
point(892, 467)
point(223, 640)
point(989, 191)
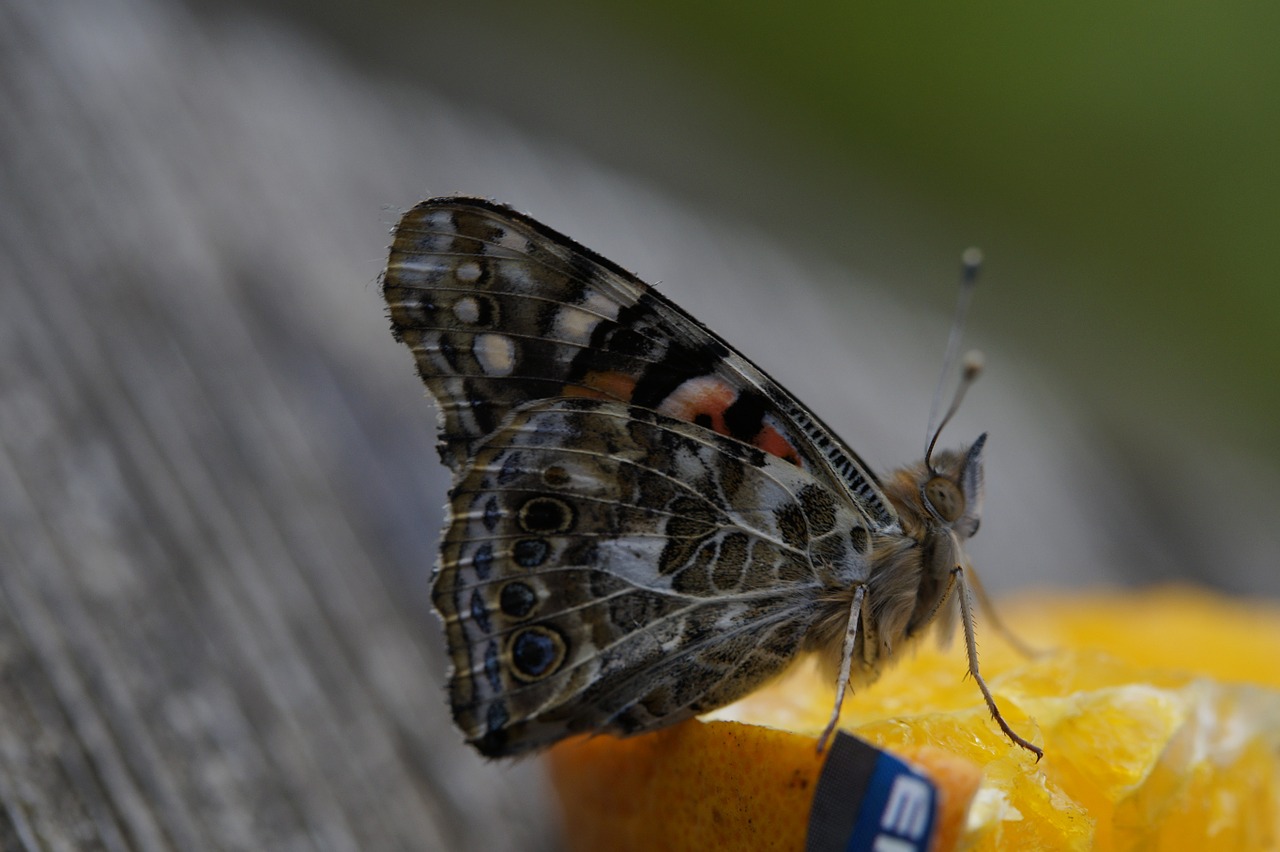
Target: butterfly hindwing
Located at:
point(611, 568)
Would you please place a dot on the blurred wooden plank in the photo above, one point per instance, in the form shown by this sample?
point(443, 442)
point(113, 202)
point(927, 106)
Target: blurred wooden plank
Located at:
point(207, 637)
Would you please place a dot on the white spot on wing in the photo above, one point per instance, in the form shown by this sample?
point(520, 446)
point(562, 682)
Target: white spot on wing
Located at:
point(511, 241)
point(496, 354)
point(467, 310)
point(575, 325)
point(468, 271)
point(633, 559)
point(516, 278)
point(598, 303)
point(422, 267)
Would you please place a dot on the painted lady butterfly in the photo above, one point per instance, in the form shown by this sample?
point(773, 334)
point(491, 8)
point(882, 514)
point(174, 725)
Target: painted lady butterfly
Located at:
point(643, 525)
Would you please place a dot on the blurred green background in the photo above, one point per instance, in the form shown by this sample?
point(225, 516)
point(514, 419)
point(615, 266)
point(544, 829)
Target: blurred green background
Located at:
point(1116, 161)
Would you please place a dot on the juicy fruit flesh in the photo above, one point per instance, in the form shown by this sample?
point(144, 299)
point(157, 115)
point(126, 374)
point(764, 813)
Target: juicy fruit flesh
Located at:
point(1159, 713)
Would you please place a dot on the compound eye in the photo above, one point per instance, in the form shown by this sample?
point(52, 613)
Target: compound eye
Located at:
point(944, 498)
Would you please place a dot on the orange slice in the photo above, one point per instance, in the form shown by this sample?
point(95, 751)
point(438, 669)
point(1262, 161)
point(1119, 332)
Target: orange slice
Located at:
point(1159, 714)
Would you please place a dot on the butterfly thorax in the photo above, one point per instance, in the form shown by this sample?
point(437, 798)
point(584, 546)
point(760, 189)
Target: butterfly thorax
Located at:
point(909, 578)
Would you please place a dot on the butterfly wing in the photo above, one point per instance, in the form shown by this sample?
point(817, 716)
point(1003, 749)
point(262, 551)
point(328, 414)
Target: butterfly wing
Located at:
point(500, 310)
point(609, 568)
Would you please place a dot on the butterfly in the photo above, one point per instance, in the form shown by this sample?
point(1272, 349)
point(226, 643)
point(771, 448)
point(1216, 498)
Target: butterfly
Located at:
point(643, 526)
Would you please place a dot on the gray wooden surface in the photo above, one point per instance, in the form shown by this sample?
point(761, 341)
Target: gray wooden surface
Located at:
point(214, 627)
point(218, 494)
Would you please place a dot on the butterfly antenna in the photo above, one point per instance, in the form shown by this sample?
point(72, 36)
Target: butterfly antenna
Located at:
point(971, 262)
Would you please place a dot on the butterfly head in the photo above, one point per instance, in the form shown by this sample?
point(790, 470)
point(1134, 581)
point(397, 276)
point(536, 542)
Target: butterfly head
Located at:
point(941, 498)
point(951, 490)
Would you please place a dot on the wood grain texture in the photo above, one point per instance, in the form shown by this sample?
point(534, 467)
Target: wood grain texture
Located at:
point(214, 631)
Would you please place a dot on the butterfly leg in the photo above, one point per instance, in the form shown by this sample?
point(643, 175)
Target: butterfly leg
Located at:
point(942, 601)
point(990, 610)
point(971, 646)
point(846, 662)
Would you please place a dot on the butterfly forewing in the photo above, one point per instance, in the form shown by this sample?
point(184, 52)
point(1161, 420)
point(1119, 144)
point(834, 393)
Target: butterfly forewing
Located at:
point(499, 310)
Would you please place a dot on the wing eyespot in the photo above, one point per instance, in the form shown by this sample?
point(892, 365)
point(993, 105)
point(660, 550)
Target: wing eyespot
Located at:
point(537, 652)
point(545, 515)
point(530, 552)
point(517, 600)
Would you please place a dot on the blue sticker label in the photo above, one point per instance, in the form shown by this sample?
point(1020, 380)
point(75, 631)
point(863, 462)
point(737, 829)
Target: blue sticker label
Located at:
point(897, 811)
point(867, 799)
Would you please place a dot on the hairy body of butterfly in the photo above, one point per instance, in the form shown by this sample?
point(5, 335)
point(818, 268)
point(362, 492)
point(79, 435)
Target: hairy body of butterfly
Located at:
point(643, 525)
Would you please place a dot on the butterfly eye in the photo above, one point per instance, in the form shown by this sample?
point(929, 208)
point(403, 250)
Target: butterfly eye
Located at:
point(944, 498)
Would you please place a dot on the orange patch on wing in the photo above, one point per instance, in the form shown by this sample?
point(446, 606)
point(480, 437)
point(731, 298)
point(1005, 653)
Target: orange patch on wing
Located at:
point(706, 399)
point(609, 385)
point(774, 443)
